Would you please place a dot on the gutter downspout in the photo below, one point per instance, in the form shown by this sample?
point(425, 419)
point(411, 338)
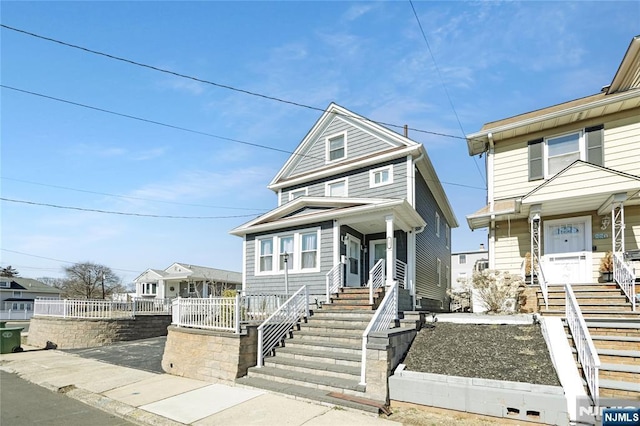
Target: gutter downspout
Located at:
point(490, 201)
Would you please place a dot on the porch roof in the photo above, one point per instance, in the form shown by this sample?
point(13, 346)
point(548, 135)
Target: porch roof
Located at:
point(364, 213)
point(567, 193)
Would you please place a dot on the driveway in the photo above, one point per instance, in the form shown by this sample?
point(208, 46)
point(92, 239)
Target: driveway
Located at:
point(145, 354)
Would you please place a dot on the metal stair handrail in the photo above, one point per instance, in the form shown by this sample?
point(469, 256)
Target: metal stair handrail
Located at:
point(624, 275)
point(386, 312)
point(376, 278)
point(401, 273)
point(544, 286)
point(335, 278)
point(587, 354)
point(273, 330)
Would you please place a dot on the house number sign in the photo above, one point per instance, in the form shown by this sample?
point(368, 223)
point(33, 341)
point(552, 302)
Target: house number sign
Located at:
point(601, 236)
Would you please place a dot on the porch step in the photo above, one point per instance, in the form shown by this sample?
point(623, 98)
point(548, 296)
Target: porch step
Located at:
point(349, 372)
point(620, 372)
point(595, 313)
point(320, 345)
point(328, 324)
point(316, 381)
point(619, 389)
point(343, 336)
point(339, 358)
point(308, 394)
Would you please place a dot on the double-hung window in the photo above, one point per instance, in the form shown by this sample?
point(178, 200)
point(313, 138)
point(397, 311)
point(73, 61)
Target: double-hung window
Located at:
point(548, 156)
point(336, 147)
point(381, 176)
point(266, 254)
point(462, 259)
point(437, 224)
point(286, 249)
point(296, 193)
point(336, 188)
point(302, 249)
point(309, 250)
point(149, 288)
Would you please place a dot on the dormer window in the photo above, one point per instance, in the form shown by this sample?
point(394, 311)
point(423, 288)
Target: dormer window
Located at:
point(336, 147)
point(5, 284)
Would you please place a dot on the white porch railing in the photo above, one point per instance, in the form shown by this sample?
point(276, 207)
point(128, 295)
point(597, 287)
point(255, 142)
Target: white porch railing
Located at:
point(401, 273)
point(143, 305)
point(376, 278)
point(335, 278)
point(587, 353)
point(386, 312)
point(624, 275)
point(542, 281)
point(83, 308)
point(216, 313)
point(15, 314)
point(259, 306)
point(279, 324)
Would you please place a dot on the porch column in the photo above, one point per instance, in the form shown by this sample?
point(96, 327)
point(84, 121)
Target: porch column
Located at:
point(205, 288)
point(536, 235)
point(390, 260)
point(160, 290)
point(617, 226)
point(336, 242)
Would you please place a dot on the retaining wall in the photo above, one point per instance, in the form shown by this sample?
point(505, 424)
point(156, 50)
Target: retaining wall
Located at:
point(72, 333)
point(496, 398)
point(208, 355)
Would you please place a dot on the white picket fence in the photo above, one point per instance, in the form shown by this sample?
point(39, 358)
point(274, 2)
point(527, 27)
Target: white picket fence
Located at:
point(14, 314)
point(100, 309)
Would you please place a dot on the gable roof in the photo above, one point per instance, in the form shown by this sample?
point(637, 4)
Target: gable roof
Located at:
point(622, 94)
point(185, 270)
point(29, 285)
point(394, 140)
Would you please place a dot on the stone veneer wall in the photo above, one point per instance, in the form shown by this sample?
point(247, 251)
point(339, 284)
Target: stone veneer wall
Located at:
point(70, 333)
point(385, 350)
point(210, 355)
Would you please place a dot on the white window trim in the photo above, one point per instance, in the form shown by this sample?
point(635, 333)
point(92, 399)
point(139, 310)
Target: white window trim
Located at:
point(437, 225)
point(327, 145)
point(447, 235)
point(545, 149)
point(439, 272)
point(372, 174)
point(329, 183)
point(147, 286)
point(258, 256)
point(296, 266)
point(292, 192)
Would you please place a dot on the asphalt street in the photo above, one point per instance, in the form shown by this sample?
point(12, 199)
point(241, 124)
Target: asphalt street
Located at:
point(26, 404)
point(145, 354)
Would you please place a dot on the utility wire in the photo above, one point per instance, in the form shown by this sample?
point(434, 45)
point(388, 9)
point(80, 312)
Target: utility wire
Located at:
point(171, 126)
point(444, 87)
point(125, 196)
point(219, 85)
point(123, 213)
point(58, 260)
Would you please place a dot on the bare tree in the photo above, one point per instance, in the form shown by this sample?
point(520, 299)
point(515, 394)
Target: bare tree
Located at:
point(53, 282)
point(90, 280)
point(9, 272)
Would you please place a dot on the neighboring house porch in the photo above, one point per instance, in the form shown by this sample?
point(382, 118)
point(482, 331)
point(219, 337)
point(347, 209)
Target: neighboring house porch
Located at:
point(185, 280)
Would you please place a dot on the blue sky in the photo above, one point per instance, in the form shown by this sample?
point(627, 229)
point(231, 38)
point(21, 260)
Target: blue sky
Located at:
point(492, 60)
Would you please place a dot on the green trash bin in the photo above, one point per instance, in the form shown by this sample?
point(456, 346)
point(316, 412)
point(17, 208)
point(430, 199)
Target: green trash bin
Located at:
point(10, 338)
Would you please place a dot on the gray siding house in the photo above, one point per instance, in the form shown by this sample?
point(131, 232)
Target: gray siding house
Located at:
point(352, 193)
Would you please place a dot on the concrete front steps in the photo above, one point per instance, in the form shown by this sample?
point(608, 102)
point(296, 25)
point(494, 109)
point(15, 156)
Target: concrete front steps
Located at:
point(603, 301)
point(322, 360)
point(617, 343)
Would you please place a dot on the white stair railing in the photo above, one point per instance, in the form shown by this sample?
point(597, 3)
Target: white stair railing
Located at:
point(376, 278)
point(587, 354)
point(275, 328)
point(624, 275)
point(335, 278)
point(381, 320)
point(401, 273)
point(544, 286)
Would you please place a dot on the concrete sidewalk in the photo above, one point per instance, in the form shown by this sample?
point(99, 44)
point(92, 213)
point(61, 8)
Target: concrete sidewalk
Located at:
point(162, 399)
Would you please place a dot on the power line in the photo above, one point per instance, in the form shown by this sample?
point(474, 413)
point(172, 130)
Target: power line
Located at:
point(219, 85)
point(171, 126)
point(125, 196)
point(444, 87)
point(58, 260)
point(122, 213)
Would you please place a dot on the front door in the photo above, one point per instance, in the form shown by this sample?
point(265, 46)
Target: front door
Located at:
point(353, 261)
point(378, 250)
point(567, 250)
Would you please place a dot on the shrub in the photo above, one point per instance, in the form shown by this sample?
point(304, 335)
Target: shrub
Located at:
point(497, 290)
point(606, 263)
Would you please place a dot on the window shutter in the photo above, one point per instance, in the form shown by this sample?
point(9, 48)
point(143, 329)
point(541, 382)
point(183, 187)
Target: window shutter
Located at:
point(595, 139)
point(536, 169)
